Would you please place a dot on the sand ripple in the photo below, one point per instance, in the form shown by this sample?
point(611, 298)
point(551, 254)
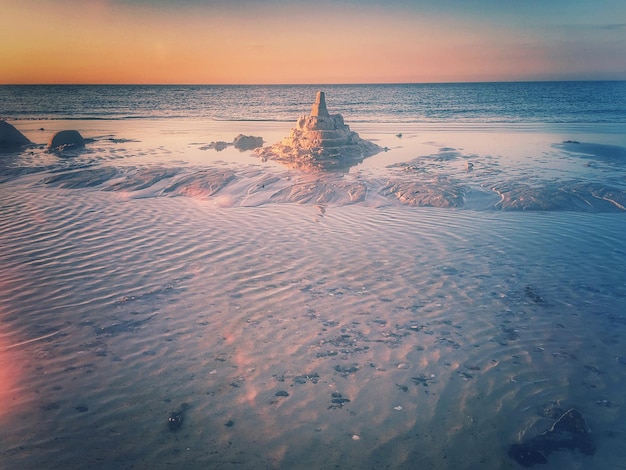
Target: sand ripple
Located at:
point(116, 310)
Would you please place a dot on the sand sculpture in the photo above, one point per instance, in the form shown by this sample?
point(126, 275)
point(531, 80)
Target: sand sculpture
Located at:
point(10, 137)
point(320, 141)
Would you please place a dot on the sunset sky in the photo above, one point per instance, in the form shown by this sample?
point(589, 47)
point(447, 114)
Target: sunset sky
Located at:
point(317, 41)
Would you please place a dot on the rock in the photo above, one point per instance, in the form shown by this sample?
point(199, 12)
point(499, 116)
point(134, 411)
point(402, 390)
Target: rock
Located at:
point(217, 146)
point(11, 138)
point(247, 142)
point(337, 400)
point(569, 432)
point(320, 141)
point(64, 140)
point(176, 418)
point(241, 142)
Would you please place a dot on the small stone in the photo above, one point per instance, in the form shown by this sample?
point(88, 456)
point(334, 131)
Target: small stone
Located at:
point(356, 437)
point(281, 393)
point(397, 408)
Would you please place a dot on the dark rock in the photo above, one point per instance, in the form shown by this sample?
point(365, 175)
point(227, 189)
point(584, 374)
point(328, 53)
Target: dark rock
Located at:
point(569, 432)
point(64, 140)
point(337, 400)
point(345, 370)
point(176, 418)
point(302, 379)
point(241, 143)
point(217, 146)
point(11, 138)
point(530, 293)
point(281, 393)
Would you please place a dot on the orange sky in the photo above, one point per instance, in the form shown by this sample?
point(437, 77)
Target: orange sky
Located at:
point(126, 41)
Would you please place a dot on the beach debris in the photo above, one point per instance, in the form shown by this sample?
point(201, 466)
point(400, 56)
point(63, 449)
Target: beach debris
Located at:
point(302, 379)
point(243, 143)
point(66, 140)
point(356, 437)
point(321, 141)
point(569, 432)
point(346, 370)
point(11, 138)
point(176, 418)
point(337, 400)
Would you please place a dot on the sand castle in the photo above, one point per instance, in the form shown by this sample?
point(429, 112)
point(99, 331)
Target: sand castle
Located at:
point(320, 141)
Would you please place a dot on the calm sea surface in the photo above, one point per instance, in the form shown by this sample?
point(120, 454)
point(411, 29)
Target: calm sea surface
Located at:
point(554, 102)
point(164, 304)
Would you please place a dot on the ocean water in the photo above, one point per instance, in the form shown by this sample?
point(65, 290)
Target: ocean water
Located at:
point(167, 305)
point(530, 102)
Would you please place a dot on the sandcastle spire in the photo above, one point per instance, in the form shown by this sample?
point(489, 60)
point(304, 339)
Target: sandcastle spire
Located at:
point(319, 108)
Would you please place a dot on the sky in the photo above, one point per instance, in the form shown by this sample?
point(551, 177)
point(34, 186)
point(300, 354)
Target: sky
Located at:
point(315, 41)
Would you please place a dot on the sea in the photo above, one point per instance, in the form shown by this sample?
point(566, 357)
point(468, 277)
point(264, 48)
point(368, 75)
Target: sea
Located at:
point(528, 102)
point(169, 299)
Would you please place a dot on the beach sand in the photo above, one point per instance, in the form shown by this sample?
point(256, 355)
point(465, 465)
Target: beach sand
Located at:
point(306, 320)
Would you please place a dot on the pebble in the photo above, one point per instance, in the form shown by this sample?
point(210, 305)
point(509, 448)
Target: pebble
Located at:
point(356, 437)
point(397, 408)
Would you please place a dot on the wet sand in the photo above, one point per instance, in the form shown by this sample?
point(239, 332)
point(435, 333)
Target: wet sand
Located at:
point(349, 331)
point(501, 167)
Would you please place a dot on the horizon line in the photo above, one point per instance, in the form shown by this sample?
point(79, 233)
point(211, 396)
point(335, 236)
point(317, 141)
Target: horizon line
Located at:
point(321, 84)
